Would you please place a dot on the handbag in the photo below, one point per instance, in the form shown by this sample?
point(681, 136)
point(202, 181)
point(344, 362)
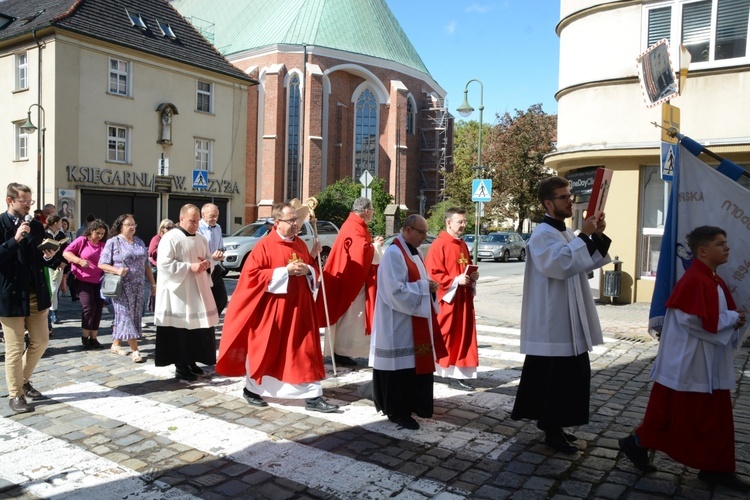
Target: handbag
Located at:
point(111, 283)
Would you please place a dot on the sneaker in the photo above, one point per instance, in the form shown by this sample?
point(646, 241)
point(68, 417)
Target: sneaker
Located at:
point(94, 344)
point(136, 356)
point(19, 405)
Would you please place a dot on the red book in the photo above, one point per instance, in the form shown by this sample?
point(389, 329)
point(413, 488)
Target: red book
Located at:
point(602, 185)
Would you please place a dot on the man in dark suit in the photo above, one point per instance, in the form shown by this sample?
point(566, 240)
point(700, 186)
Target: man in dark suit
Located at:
point(24, 295)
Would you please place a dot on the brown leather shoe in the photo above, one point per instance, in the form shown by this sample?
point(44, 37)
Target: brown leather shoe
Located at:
point(19, 405)
point(31, 393)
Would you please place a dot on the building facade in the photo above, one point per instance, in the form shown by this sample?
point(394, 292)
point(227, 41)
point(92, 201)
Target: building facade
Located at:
point(129, 102)
point(342, 91)
point(603, 120)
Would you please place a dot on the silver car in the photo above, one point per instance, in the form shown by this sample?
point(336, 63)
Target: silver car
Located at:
point(469, 240)
point(501, 247)
point(238, 246)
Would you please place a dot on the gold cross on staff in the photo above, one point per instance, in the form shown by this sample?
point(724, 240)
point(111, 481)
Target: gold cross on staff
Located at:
point(463, 260)
point(294, 258)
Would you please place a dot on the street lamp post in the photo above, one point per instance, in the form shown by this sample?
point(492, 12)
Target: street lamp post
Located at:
point(29, 128)
point(465, 110)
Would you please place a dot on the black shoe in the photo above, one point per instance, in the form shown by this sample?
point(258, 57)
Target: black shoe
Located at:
point(728, 479)
point(94, 344)
point(572, 438)
point(343, 360)
point(85, 342)
point(460, 385)
point(184, 373)
point(19, 405)
point(195, 369)
point(31, 393)
point(320, 404)
point(253, 399)
point(636, 454)
point(559, 443)
point(406, 422)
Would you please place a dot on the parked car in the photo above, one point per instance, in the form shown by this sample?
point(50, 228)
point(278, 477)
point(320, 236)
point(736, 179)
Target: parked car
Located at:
point(501, 247)
point(238, 246)
point(424, 247)
point(526, 236)
point(469, 239)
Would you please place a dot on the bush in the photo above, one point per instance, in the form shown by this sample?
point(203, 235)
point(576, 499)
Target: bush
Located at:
point(335, 202)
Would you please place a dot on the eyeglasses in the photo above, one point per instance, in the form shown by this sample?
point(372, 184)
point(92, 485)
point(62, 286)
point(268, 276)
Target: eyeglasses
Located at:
point(25, 202)
point(423, 233)
point(564, 197)
point(291, 222)
point(130, 225)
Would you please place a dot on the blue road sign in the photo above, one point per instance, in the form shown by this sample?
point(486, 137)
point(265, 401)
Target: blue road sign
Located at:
point(481, 190)
point(200, 179)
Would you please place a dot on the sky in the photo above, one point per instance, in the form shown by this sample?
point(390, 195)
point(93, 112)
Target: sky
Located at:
point(510, 45)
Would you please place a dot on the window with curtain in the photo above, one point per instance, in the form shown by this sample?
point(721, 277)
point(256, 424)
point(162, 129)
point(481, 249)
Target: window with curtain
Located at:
point(365, 134)
point(653, 215)
point(119, 77)
point(293, 166)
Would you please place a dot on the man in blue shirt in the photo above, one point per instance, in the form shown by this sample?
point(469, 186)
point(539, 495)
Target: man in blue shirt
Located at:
point(210, 228)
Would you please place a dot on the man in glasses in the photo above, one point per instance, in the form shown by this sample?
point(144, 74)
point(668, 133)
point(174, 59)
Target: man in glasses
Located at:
point(559, 323)
point(406, 340)
point(24, 295)
point(350, 283)
point(270, 329)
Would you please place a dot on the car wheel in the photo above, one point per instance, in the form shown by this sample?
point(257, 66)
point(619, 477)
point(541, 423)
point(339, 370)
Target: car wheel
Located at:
point(323, 257)
point(506, 256)
point(522, 255)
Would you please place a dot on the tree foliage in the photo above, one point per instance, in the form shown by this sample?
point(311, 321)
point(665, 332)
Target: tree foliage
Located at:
point(335, 202)
point(465, 147)
point(515, 154)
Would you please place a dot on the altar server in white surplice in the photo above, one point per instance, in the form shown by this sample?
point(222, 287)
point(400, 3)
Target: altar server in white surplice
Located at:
point(559, 323)
point(406, 339)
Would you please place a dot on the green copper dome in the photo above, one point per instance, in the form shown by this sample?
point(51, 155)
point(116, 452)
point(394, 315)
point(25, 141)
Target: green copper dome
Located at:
point(365, 27)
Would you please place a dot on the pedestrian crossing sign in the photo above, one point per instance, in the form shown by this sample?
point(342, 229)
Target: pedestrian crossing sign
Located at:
point(481, 190)
point(200, 179)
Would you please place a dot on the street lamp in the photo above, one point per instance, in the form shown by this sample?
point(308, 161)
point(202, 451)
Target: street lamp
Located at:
point(29, 128)
point(465, 110)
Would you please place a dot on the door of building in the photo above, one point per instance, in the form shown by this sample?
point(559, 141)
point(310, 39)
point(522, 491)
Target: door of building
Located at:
point(108, 205)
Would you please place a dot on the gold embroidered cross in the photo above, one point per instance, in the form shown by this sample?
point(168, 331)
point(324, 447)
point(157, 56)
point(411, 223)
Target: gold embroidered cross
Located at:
point(463, 260)
point(294, 258)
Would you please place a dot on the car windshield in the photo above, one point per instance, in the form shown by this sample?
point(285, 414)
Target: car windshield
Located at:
point(469, 238)
point(495, 238)
point(256, 229)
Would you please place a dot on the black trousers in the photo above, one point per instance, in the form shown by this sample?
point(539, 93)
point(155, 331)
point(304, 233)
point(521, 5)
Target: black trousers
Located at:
point(219, 290)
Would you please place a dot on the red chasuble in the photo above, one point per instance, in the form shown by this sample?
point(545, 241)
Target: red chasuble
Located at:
point(447, 258)
point(348, 268)
point(276, 334)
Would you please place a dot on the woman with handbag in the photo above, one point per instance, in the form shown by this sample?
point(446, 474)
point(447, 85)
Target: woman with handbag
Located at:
point(125, 255)
point(83, 255)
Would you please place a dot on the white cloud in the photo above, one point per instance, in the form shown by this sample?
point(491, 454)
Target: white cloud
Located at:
point(478, 8)
point(450, 28)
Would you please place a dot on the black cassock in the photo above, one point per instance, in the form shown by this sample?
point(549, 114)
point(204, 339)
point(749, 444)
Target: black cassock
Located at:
point(554, 391)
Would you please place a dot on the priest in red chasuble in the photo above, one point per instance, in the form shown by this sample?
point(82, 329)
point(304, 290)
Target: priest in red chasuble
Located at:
point(349, 280)
point(270, 328)
point(447, 263)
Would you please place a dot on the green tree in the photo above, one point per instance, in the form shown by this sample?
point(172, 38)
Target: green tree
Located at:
point(465, 147)
point(515, 154)
point(335, 202)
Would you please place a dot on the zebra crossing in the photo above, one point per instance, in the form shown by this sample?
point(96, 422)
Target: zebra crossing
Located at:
point(98, 436)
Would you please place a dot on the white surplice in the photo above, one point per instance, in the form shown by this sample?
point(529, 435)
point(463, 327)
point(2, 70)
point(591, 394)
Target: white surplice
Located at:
point(690, 359)
point(397, 300)
point(558, 315)
point(183, 298)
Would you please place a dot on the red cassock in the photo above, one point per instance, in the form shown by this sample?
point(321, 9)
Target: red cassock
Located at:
point(276, 334)
point(348, 268)
point(447, 258)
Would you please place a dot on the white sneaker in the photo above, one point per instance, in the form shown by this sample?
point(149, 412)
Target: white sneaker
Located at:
point(137, 357)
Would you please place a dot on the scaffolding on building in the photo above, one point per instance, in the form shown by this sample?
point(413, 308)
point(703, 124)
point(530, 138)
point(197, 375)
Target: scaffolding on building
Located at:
point(435, 148)
point(205, 28)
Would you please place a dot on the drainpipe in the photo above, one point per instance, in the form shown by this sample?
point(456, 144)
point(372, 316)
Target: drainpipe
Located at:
point(40, 137)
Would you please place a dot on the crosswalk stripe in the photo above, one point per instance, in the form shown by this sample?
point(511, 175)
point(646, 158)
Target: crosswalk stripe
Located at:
point(328, 472)
point(48, 467)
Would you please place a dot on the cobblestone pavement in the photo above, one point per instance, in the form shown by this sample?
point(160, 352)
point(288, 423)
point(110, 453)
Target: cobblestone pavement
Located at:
point(110, 428)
